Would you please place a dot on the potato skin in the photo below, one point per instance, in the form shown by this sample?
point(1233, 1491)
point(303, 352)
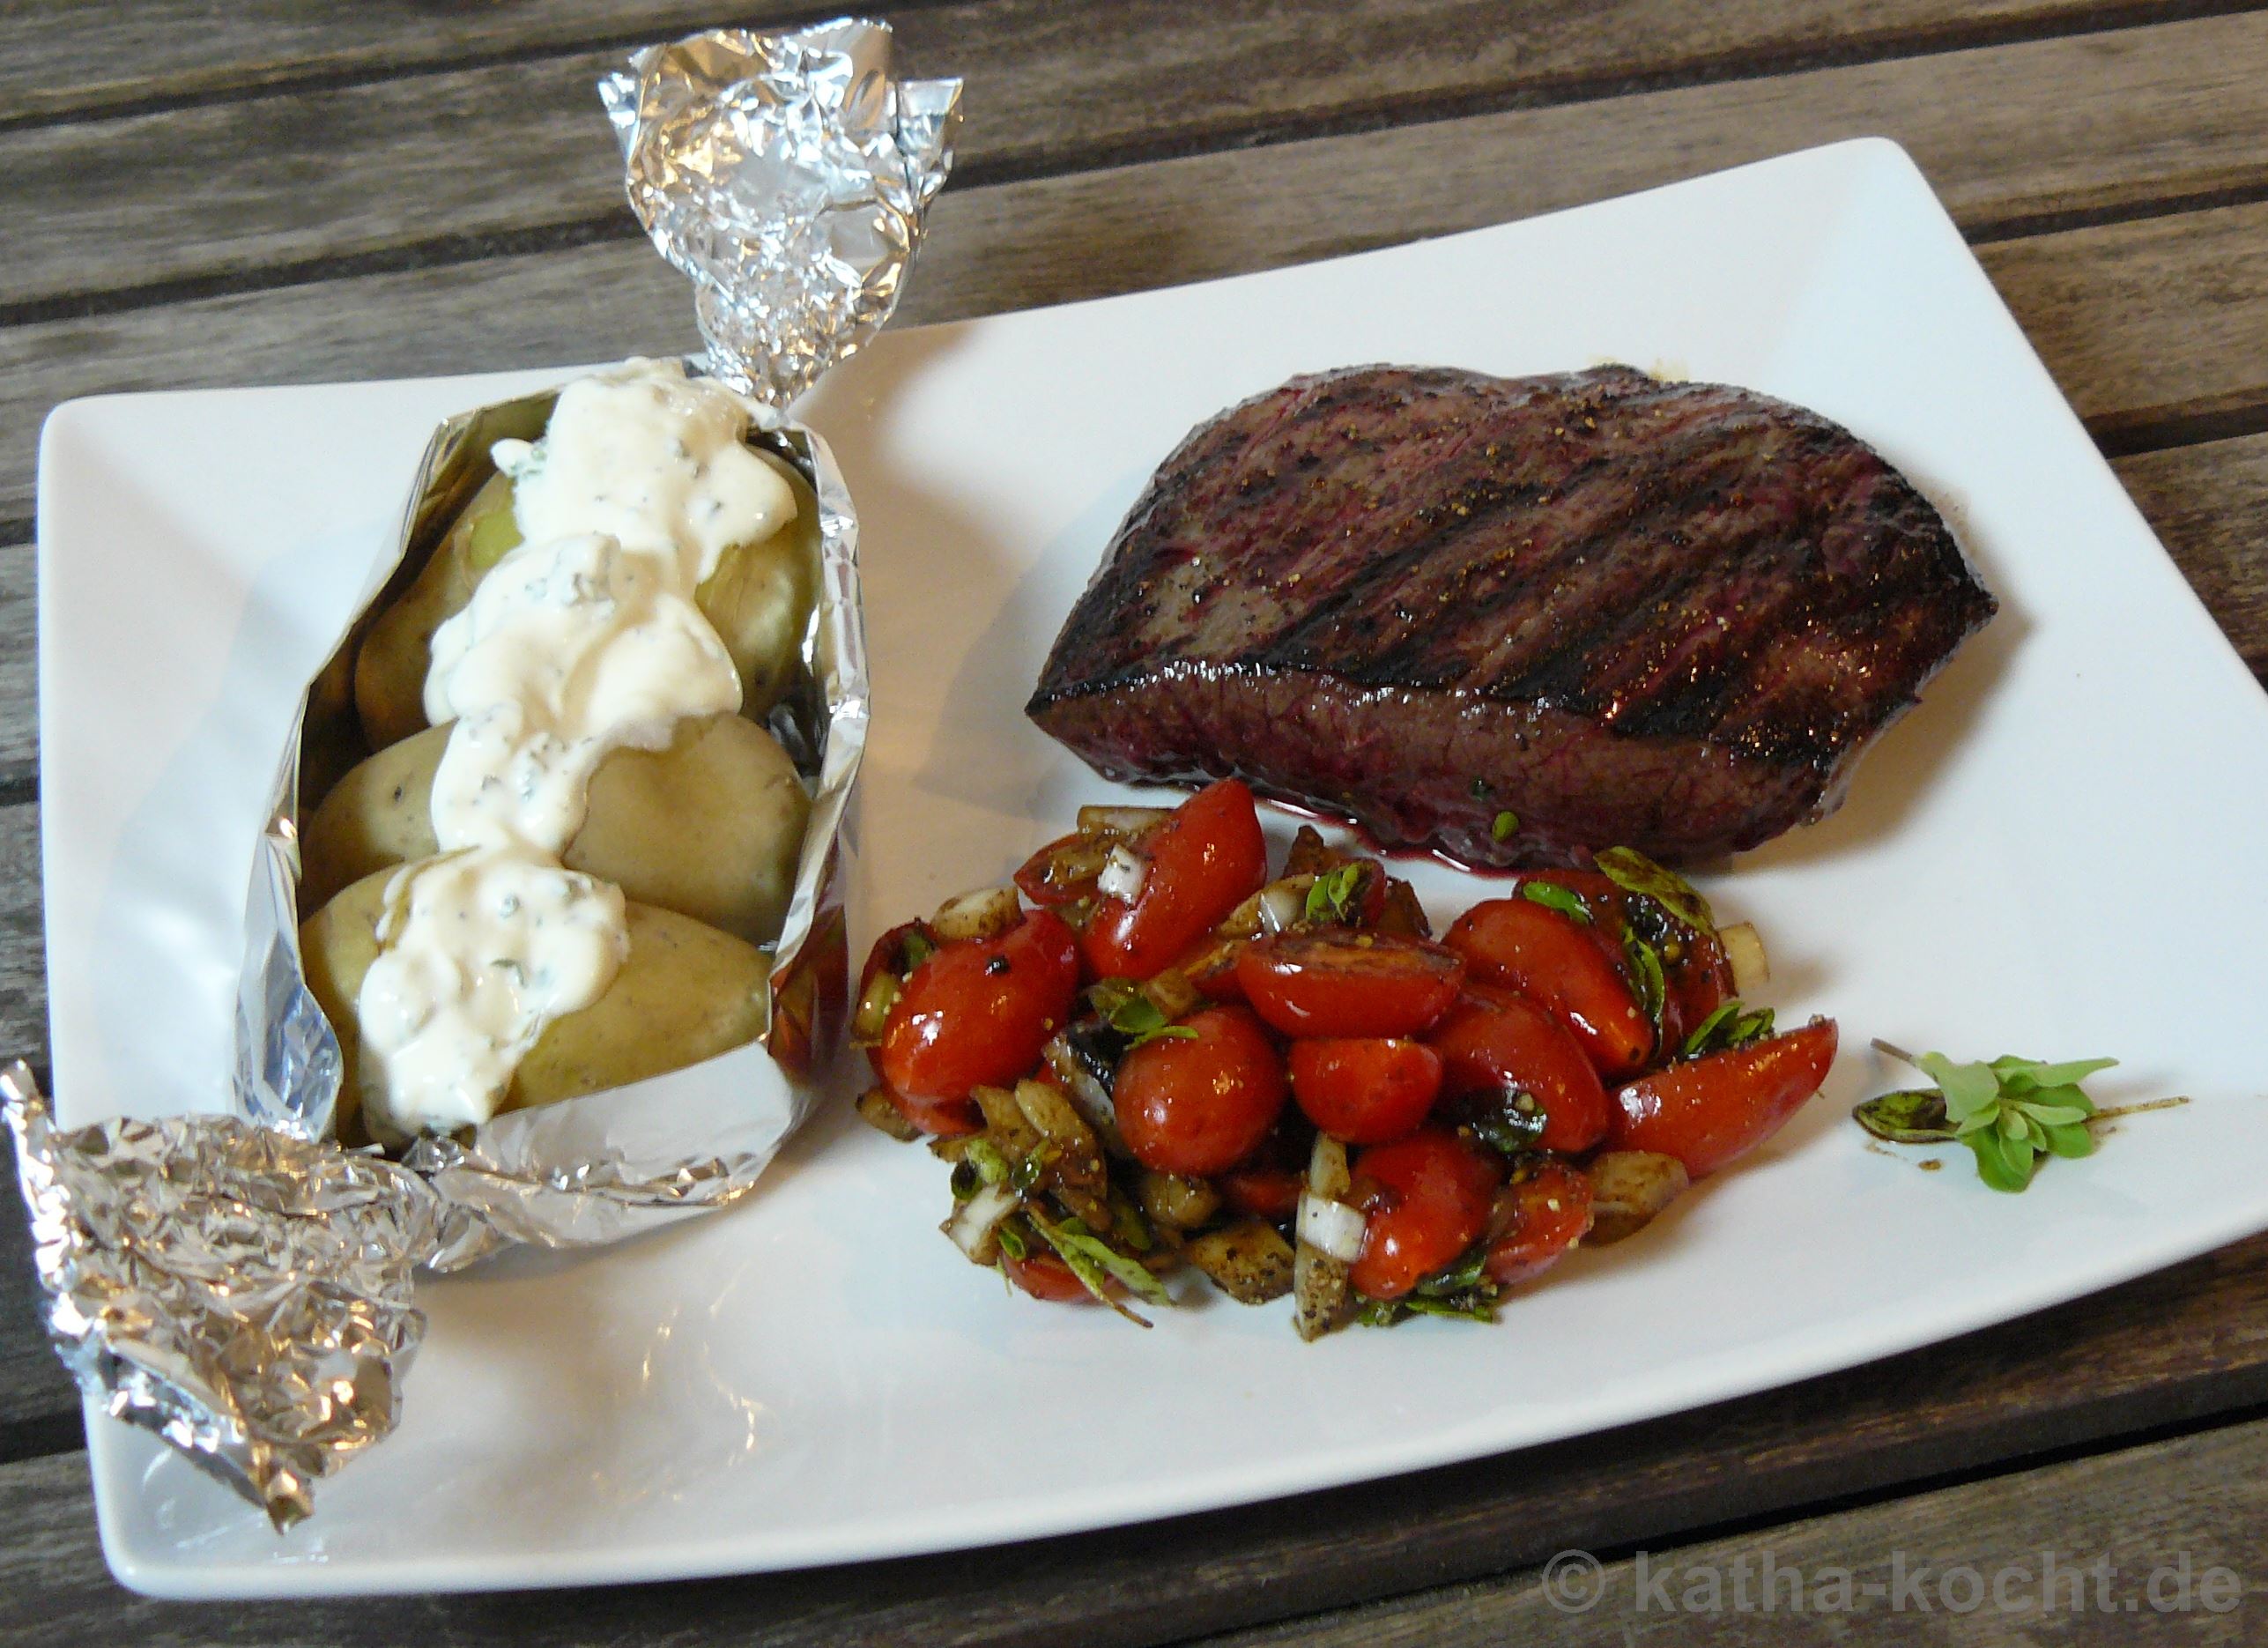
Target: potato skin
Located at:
point(688, 992)
point(710, 827)
point(760, 598)
point(389, 671)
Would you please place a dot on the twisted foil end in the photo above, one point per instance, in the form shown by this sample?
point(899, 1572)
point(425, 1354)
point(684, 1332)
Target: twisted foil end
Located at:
point(242, 1293)
point(789, 175)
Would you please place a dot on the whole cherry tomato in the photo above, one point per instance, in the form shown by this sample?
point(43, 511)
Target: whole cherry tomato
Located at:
point(977, 1013)
point(1559, 963)
point(1262, 1192)
point(1426, 1201)
point(1204, 860)
point(1712, 1109)
point(1200, 1104)
point(1045, 1276)
point(1341, 984)
point(1364, 1091)
point(1539, 1216)
point(1497, 1039)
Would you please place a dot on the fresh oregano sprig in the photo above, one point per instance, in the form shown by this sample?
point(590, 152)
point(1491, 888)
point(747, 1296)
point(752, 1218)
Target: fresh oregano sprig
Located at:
point(2009, 1111)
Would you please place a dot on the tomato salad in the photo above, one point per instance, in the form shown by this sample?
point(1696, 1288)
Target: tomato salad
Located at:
point(1147, 1054)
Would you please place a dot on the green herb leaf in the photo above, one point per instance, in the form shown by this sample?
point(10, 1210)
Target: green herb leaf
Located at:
point(1552, 896)
point(1461, 1276)
point(1141, 1020)
point(1731, 1026)
point(992, 1166)
point(1506, 826)
point(2004, 1163)
point(1011, 1240)
point(2010, 1112)
point(1332, 897)
point(1386, 1312)
point(1512, 1129)
point(1646, 981)
point(1095, 1263)
point(1911, 1115)
point(1968, 1088)
point(1634, 872)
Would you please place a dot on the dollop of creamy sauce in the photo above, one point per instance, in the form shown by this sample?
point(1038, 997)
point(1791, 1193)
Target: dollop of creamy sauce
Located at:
point(583, 639)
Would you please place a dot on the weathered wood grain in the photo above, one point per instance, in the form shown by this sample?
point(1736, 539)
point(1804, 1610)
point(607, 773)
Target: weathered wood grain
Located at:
point(2155, 329)
point(1054, 239)
point(2153, 1513)
point(2162, 1351)
point(23, 960)
point(81, 58)
point(444, 167)
point(2209, 503)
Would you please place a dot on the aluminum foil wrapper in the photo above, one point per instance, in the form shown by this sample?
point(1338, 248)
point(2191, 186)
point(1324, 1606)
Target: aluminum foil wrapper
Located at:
point(788, 175)
point(242, 1293)
point(241, 1283)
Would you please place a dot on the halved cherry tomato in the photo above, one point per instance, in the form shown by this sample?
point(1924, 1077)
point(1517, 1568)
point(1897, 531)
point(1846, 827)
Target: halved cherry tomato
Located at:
point(1697, 981)
point(1364, 1091)
point(977, 1013)
point(1342, 983)
point(1538, 1217)
point(1497, 1039)
point(1205, 859)
point(1045, 1276)
point(947, 1118)
point(1426, 1201)
point(1563, 964)
point(1200, 1104)
point(1708, 1111)
point(1262, 1192)
point(1062, 873)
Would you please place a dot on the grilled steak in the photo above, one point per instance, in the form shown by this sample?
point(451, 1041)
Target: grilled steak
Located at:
point(1508, 619)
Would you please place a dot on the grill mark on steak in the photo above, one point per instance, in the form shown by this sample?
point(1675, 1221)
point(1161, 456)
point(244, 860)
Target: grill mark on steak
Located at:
point(1666, 614)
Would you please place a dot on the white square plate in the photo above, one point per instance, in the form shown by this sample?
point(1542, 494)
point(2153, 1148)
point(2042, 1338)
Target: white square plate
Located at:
point(2058, 854)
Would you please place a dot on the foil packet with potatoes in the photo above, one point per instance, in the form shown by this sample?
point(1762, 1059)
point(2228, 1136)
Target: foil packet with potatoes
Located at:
point(243, 1284)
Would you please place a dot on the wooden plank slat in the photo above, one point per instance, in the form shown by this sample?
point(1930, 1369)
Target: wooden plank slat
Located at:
point(212, 196)
point(2154, 1513)
point(77, 57)
point(81, 58)
point(2159, 1351)
point(1054, 239)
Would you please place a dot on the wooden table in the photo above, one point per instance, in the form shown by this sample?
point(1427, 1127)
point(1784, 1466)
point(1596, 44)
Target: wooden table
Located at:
point(271, 192)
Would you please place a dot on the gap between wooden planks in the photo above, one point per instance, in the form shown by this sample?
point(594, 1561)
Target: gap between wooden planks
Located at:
point(1221, 66)
point(443, 168)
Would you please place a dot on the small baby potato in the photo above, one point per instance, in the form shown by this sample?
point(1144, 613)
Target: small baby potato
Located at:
point(759, 597)
point(389, 671)
point(688, 992)
point(710, 827)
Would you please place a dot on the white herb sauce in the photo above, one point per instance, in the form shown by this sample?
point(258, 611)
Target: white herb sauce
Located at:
point(580, 642)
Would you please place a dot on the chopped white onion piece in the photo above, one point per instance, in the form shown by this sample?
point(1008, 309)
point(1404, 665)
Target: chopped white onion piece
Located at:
point(1281, 905)
point(1331, 1227)
point(1744, 948)
point(1123, 874)
point(973, 1221)
point(986, 913)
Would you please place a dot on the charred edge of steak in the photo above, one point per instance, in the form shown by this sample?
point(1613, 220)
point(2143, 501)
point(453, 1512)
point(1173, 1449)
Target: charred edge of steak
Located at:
point(1437, 771)
point(1672, 567)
